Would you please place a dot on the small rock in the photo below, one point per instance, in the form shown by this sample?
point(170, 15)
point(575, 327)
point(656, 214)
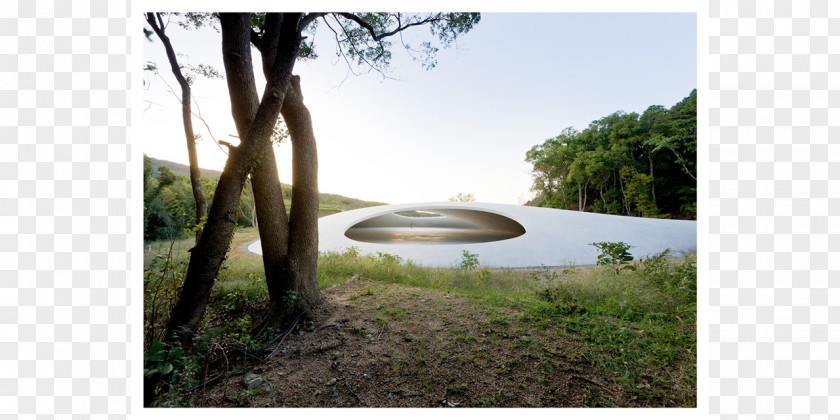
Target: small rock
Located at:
point(253, 381)
point(331, 382)
point(366, 376)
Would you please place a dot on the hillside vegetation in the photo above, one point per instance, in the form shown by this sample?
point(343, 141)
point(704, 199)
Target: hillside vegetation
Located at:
point(628, 164)
point(169, 206)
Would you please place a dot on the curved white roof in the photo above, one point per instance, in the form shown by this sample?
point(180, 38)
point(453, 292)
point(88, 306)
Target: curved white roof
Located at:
point(552, 237)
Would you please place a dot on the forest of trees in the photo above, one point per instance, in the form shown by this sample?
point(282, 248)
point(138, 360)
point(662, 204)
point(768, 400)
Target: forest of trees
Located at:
point(169, 206)
point(627, 164)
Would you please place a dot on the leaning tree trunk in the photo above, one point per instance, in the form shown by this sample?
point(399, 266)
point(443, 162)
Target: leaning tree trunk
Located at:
point(211, 249)
point(274, 228)
point(273, 224)
point(156, 23)
point(293, 288)
point(303, 218)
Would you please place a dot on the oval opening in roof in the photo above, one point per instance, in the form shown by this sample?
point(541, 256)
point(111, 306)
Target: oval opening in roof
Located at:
point(435, 226)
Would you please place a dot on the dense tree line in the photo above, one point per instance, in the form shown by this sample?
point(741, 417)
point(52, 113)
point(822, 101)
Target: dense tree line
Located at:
point(627, 164)
point(169, 204)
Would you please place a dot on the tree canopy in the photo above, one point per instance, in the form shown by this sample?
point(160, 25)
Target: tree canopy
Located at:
point(627, 164)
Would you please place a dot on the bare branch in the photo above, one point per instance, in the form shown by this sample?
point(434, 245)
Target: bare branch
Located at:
point(359, 54)
point(199, 116)
point(340, 51)
point(399, 28)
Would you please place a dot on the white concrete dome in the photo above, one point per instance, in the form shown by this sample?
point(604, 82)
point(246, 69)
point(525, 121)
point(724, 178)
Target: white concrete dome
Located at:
point(503, 235)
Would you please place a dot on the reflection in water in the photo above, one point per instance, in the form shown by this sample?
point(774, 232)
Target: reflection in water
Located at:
point(408, 235)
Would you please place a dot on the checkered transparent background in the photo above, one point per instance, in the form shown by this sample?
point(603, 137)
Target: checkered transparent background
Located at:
point(774, 198)
point(64, 187)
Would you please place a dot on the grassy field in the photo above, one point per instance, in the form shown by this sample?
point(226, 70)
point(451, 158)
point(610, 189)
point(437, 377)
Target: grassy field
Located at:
point(635, 324)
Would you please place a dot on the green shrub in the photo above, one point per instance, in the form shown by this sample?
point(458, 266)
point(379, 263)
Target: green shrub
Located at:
point(613, 253)
point(468, 261)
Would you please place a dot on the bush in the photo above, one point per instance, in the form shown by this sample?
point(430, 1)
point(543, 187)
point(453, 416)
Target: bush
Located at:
point(468, 261)
point(614, 255)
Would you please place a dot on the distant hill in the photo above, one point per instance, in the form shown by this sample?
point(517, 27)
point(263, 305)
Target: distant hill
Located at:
point(181, 169)
point(330, 203)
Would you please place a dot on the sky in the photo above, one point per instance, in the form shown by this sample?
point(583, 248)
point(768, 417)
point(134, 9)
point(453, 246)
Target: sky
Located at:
point(512, 82)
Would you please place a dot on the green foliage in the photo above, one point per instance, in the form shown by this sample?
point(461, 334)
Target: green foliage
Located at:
point(162, 281)
point(290, 298)
point(176, 369)
point(385, 259)
point(365, 41)
point(169, 204)
point(629, 164)
point(235, 294)
point(613, 253)
point(637, 192)
point(164, 359)
point(239, 330)
point(468, 261)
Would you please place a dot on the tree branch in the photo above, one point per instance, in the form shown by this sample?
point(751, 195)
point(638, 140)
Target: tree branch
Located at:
point(399, 28)
point(309, 18)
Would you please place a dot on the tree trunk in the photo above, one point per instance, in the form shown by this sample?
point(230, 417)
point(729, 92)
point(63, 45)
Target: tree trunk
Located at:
point(565, 199)
point(156, 23)
point(211, 249)
point(303, 219)
point(295, 289)
point(274, 224)
point(268, 195)
point(580, 197)
point(623, 196)
point(585, 188)
point(652, 179)
point(286, 276)
point(601, 189)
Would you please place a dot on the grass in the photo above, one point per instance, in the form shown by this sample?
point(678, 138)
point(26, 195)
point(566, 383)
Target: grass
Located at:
point(637, 323)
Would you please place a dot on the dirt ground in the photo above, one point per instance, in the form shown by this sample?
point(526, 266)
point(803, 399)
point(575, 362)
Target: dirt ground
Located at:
point(384, 345)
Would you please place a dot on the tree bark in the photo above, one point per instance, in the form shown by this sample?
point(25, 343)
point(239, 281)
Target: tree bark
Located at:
point(294, 288)
point(604, 200)
point(211, 249)
point(623, 195)
point(585, 191)
point(273, 223)
point(275, 227)
point(652, 179)
point(303, 218)
point(156, 22)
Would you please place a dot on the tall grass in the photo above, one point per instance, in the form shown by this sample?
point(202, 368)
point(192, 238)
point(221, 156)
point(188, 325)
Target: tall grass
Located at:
point(337, 267)
point(638, 323)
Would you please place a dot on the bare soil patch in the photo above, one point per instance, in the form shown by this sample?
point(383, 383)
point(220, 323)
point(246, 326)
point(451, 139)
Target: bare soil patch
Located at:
point(373, 344)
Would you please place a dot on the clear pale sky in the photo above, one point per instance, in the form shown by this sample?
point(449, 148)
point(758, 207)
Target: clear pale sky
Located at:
point(512, 82)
